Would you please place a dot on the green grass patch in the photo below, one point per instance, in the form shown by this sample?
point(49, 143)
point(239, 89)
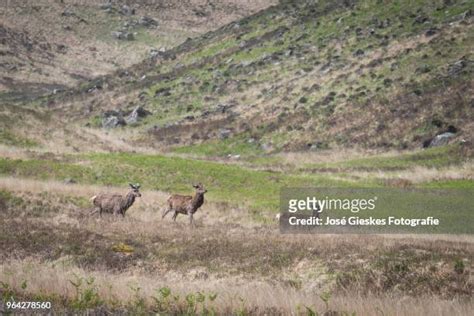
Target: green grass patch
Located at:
point(431, 158)
point(259, 190)
point(11, 139)
point(222, 148)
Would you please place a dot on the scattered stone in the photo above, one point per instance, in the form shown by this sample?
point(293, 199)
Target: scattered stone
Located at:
point(420, 19)
point(106, 6)
point(456, 68)
point(223, 108)
point(126, 10)
point(466, 14)
point(197, 274)
point(68, 13)
point(442, 139)
point(267, 147)
point(303, 100)
point(61, 48)
point(163, 92)
point(358, 53)
point(113, 119)
point(387, 82)
point(431, 31)
point(137, 114)
point(224, 133)
point(154, 53)
point(69, 181)
point(423, 69)
point(121, 35)
point(147, 21)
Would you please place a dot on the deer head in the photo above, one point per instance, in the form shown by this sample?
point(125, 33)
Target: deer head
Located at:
point(135, 189)
point(199, 188)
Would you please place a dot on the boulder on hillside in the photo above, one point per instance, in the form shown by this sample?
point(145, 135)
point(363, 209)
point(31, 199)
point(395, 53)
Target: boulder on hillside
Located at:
point(224, 133)
point(137, 114)
point(126, 10)
point(457, 67)
point(121, 35)
point(441, 139)
point(358, 53)
point(113, 119)
point(147, 21)
point(106, 6)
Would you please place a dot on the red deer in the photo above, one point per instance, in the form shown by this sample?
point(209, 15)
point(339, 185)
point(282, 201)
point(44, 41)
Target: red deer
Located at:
point(186, 204)
point(115, 203)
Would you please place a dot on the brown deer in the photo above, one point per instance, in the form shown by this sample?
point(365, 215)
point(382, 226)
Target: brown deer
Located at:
point(186, 204)
point(115, 203)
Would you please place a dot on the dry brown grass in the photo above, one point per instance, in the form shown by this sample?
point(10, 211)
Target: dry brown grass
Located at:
point(421, 174)
point(238, 260)
point(257, 295)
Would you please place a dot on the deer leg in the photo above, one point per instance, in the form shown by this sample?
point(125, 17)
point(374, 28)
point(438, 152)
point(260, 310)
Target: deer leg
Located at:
point(95, 210)
point(191, 219)
point(166, 211)
point(116, 212)
point(175, 215)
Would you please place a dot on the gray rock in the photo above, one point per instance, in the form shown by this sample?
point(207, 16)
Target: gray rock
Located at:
point(68, 13)
point(420, 19)
point(121, 35)
point(198, 274)
point(441, 139)
point(359, 52)
point(69, 181)
point(224, 133)
point(147, 21)
point(163, 92)
point(154, 53)
point(431, 31)
point(106, 6)
point(456, 68)
point(466, 14)
point(126, 10)
point(137, 114)
point(113, 119)
point(267, 147)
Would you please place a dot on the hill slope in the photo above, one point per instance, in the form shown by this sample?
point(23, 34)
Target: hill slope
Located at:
point(49, 45)
point(303, 75)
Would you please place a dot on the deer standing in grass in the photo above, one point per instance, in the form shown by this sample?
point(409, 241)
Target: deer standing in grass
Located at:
point(115, 203)
point(186, 204)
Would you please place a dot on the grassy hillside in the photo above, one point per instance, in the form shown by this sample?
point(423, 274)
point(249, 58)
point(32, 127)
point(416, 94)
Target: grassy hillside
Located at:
point(308, 75)
point(50, 46)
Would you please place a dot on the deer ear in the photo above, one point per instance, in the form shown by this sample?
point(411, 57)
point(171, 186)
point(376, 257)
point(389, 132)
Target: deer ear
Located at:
point(137, 186)
point(195, 186)
point(131, 185)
